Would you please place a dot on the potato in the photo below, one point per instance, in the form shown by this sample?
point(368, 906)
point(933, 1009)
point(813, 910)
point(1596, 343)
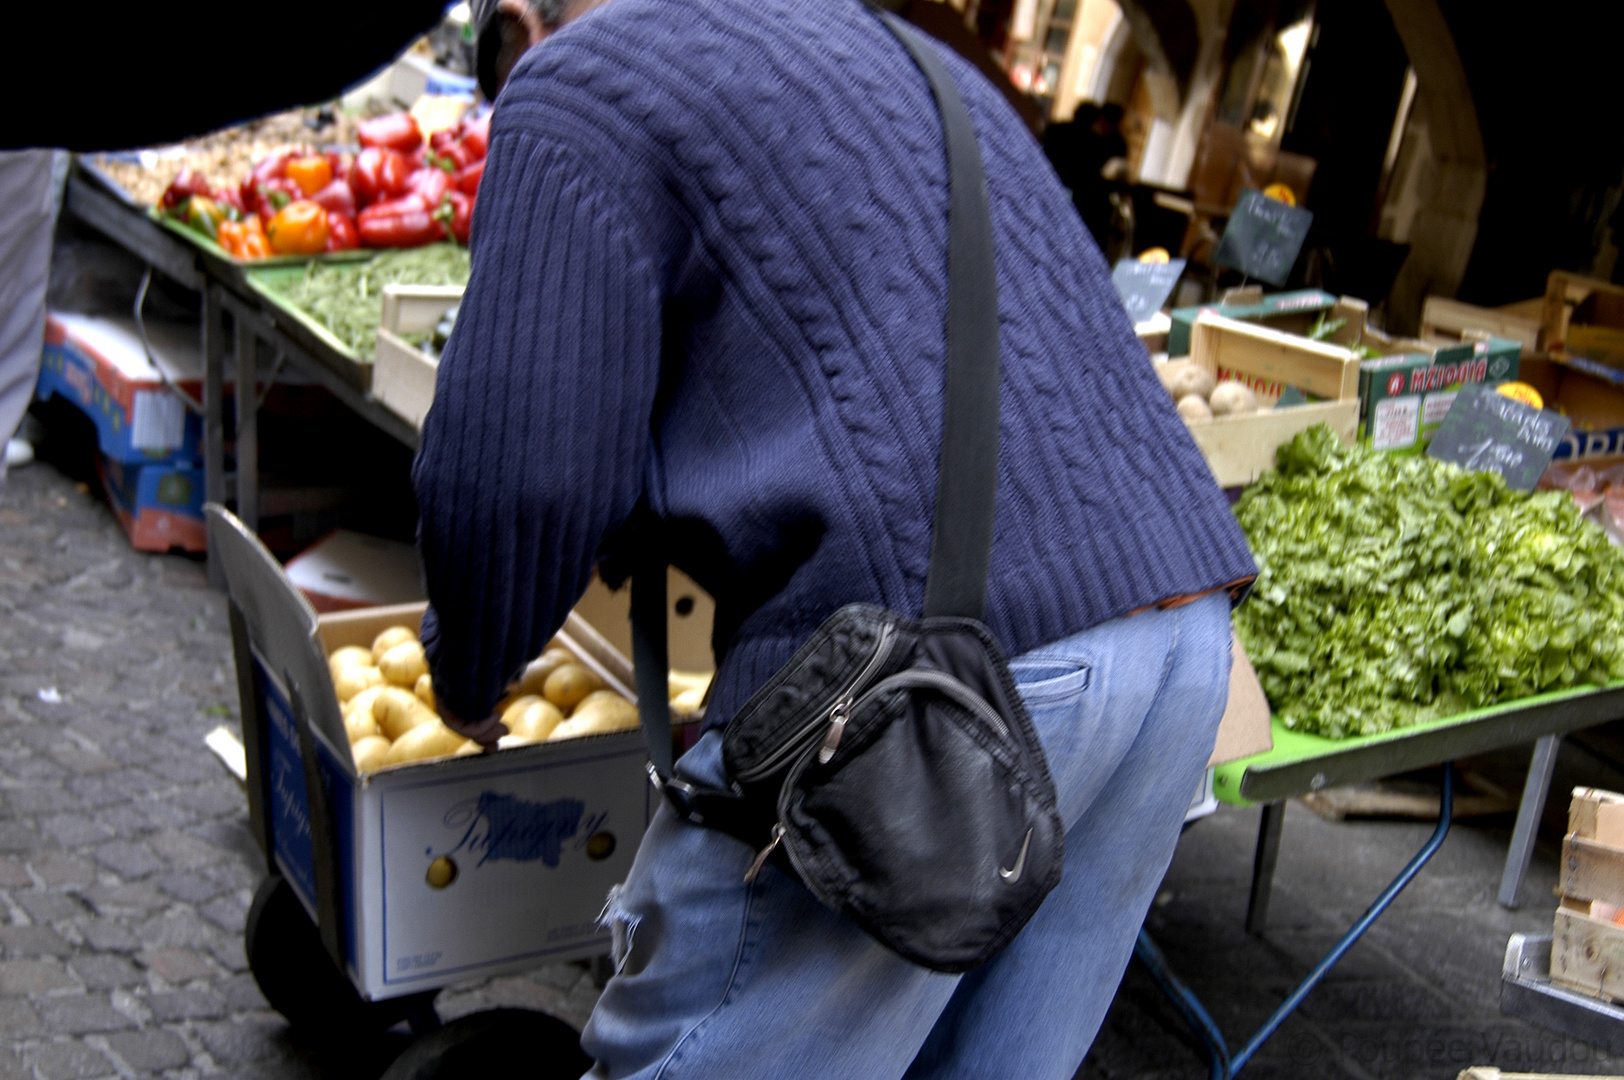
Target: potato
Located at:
point(1232, 398)
point(1192, 380)
point(348, 656)
point(683, 682)
point(508, 742)
point(369, 753)
point(535, 674)
point(424, 689)
point(687, 703)
point(363, 700)
point(535, 721)
point(569, 684)
point(600, 712)
point(354, 679)
point(360, 724)
point(425, 741)
point(404, 664)
point(398, 711)
point(1193, 408)
point(388, 639)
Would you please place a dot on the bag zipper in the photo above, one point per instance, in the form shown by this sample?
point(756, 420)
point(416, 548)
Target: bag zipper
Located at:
point(824, 714)
point(949, 687)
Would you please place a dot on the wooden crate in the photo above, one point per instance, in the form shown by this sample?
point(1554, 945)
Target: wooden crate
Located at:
point(402, 374)
point(1239, 449)
point(1587, 946)
point(1563, 293)
point(1455, 321)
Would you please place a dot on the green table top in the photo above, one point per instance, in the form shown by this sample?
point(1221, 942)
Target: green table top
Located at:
point(1301, 763)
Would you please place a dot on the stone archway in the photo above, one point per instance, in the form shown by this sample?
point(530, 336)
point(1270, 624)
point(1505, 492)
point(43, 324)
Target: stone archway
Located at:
point(1445, 227)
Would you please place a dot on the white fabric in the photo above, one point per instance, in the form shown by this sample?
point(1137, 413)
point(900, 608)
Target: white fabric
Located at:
point(29, 186)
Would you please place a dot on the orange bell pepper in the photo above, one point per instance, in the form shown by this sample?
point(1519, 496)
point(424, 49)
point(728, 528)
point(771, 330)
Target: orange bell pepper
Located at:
point(244, 239)
point(299, 228)
point(311, 173)
point(230, 237)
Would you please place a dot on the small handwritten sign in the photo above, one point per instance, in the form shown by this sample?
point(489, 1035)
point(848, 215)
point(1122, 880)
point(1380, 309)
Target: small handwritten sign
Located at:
point(1263, 237)
point(1145, 287)
point(1485, 430)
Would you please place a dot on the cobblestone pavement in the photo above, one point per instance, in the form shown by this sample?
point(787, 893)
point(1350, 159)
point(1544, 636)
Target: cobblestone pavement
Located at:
point(126, 866)
point(126, 871)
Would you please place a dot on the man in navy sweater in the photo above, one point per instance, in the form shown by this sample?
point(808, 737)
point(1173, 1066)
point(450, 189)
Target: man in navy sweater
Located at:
point(709, 279)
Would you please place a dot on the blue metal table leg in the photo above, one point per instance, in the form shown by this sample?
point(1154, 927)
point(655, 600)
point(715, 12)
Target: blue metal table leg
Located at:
point(1223, 1064)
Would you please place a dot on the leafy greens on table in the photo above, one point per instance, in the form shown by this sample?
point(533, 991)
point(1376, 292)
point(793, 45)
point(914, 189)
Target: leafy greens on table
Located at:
point(1394, 590)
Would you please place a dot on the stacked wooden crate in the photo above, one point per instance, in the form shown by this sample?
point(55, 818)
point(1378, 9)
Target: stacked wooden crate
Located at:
point(1587, 944)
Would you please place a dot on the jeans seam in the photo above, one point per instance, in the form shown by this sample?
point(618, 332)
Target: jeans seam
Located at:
point(1172, 652)
point(727, 991)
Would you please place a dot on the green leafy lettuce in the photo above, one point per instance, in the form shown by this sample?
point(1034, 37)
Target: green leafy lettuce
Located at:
point(1393, 590)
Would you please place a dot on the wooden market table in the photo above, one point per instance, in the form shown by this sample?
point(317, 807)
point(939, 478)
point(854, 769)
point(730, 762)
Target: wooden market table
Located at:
point(1300, 763)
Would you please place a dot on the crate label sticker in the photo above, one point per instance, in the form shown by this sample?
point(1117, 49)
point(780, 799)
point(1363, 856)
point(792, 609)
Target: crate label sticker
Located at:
point(1436, 407)
point(507, 827)
point(159, 422)
point(1397, 423)
point(536, 847)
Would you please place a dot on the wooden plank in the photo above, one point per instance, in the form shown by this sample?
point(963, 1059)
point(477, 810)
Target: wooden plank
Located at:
point(1587, 955)
point(1451, 318)
point(1314, 367)
point(1584, 808)
point(1592, 870)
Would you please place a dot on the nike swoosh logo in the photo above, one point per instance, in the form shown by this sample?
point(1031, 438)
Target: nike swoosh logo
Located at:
point(1013, 874)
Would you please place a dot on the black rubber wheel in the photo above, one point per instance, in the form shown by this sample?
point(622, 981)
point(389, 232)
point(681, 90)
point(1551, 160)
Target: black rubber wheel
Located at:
point(495, 1045)
point(299, 979)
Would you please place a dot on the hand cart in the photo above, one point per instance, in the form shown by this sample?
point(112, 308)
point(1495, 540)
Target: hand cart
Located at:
point(384, 888)
point(1301, 763)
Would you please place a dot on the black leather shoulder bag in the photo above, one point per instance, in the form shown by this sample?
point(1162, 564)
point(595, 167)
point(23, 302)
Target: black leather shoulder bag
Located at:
point(891, 765)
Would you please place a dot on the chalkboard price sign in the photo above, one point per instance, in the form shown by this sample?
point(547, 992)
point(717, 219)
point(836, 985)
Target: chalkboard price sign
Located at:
point(1145, 287)
point(1263, 237)
point(1485, 430)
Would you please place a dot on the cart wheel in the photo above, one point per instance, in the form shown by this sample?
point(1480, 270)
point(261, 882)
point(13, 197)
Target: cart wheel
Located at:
point(495, 1045)
point(299, 980)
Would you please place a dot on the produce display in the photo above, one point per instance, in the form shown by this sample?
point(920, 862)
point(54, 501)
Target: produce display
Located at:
point(232, 151)
point(387, 699)
point(1201, 397)
point(1597, 493)
point(401, 190)
point(1396, 589)
point(347, 297)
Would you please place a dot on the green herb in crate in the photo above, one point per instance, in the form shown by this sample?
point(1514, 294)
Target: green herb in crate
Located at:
point(1393, 590)
point(347, 298)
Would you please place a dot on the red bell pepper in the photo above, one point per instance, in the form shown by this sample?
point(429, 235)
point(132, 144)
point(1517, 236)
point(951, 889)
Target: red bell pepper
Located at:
point(186, 184)
point(443, 138)
point(459, 209)
point(379, 174)
point(404, 222)
point(452, 158)
point(336, 198)
point(341, 233)
point(266, 197)
point(467, 181)
point(397, 131)
point(476, 134)
point(430, 184)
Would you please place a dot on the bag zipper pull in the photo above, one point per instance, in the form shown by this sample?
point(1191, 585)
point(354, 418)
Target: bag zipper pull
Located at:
point(837, 727)
point(761, 859)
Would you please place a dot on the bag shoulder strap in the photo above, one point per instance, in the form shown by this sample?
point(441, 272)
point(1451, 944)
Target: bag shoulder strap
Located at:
point(967, 469)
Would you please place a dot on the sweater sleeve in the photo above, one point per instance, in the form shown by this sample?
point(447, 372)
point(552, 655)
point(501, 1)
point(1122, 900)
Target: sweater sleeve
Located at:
point(534, 449)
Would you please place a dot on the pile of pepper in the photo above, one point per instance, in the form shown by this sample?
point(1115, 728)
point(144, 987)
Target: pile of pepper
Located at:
point(399, 191)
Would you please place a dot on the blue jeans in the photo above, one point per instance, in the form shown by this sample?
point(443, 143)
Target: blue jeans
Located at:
point(720, 980)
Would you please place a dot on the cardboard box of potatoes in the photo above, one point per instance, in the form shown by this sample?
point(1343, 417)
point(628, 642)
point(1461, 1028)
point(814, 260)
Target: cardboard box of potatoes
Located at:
point(422, 861)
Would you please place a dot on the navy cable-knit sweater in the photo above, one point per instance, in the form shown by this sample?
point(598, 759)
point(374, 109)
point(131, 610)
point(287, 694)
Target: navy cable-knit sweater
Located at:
point(709, 270)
